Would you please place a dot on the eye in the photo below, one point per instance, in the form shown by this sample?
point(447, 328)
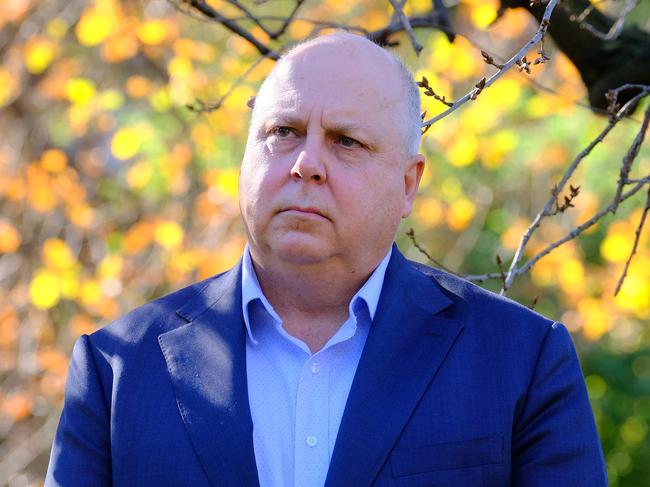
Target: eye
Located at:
point(282, 132)
point(348, 142)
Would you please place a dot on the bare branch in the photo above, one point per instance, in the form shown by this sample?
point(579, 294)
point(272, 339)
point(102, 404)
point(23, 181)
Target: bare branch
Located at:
point(630, 156)
point(637, 237)
point(518, 58)
point(576, 231)
point(614, 31)
point(411, 235)
point(199, 106)
point(205, 9)
point(398, 6)
point(428, 91)
point(547, 210)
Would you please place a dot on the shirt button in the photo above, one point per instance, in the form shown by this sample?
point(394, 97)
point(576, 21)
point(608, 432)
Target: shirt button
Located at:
point(312, 441)
point(315, 368)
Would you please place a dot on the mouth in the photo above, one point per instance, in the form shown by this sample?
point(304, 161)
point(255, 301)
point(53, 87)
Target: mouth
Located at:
point(304, 211)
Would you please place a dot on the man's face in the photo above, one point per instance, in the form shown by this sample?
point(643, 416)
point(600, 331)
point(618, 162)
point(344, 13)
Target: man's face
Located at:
point(325, 176)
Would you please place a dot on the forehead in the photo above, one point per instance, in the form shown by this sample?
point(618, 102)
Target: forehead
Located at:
point(340, 82)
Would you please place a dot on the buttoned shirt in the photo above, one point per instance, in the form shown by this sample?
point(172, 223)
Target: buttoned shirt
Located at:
point(297, 398)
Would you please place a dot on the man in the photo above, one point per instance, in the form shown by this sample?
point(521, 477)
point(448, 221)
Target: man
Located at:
point(324, 357)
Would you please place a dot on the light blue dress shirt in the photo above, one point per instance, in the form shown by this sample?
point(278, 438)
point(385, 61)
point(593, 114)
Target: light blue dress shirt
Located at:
point(297, 398)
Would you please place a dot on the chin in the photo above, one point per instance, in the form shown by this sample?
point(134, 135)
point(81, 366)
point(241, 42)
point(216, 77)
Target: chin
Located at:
point(303, 250)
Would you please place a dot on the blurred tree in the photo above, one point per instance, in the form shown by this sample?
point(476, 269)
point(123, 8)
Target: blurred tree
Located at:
point(113, 192)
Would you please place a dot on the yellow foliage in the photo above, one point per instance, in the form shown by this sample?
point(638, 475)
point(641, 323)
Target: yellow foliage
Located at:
point(139, 174)
point(44, 289)
point(572, 277)
point(226, 181)
point(57, 255)
point(451, 188)
point(8, 326)
point(8, 86)
point(634, 295)
point(463, 150)
point(90, 292)
point(69, 283)
point(552, 156)
point(138, 86)
point(120, 48)
point(180, 66)
point(110, 100)
point(81, 324)
point(152, 32)
point(160, 100)
point(52, 360)
point(501, 96)
point(465, 62)
point(484, 13)
point(460, 214)
point(429, 210)
point(96, 24)
point(139, 236)
point(616, 247)
point(81, 215)
point(39, 54)
point(169, 234)
point(594, 317)
point(39, 189)
point(9, 238)
point(15, 189)
point(17, 406)
point(54, 160)
point(80, 90)
point(111, 265)
point(495, 148)
point(127, 141)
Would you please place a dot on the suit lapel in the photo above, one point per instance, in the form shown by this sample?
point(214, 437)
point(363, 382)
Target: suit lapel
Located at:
point(406, 346)
point(206, 360)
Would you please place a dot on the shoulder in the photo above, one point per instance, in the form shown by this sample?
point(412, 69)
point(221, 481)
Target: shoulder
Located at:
point(485, 312)
point(145, 323)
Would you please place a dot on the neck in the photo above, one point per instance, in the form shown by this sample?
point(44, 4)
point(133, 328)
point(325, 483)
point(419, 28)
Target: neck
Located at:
point(312, 301)
point(310, 290)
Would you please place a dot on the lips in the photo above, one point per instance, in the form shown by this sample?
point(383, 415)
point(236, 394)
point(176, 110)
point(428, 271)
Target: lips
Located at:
point(307, 210)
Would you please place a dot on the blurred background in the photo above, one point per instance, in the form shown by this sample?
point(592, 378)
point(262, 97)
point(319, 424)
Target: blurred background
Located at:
point(114, 192)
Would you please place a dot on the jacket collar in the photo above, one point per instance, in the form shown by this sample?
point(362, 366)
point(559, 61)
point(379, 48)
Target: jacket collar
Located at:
point(206, 360)
point(407, 344)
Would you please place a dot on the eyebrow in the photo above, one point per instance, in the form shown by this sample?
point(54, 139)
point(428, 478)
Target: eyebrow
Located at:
point(342, 127)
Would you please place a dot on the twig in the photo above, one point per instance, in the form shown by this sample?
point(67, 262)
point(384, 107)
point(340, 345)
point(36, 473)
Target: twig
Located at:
point(630, 156)
point(428, 91)
point(637, 237)
point(411, 235)
point(501, 273)
point(575, 232)
point(615, 30)
point(199, 106)
point(208, 11)
point(518, 58)
point(287, 21)
point(546, 211)
point(398, 6)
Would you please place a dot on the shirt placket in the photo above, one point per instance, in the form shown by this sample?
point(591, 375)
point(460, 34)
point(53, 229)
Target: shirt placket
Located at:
point(312, 422)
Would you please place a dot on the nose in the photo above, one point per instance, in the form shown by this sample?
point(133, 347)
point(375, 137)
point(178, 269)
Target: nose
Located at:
point(309, 166)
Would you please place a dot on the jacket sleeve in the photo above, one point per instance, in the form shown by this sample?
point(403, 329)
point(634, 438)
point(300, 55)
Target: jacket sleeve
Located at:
point(555, 441)
point(81, 454)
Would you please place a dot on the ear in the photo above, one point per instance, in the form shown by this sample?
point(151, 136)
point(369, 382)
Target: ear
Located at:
point(412, 175)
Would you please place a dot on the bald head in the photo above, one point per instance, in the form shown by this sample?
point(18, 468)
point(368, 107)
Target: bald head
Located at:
point(382, 72)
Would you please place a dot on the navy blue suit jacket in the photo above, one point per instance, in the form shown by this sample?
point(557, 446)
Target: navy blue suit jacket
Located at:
point(455, 387)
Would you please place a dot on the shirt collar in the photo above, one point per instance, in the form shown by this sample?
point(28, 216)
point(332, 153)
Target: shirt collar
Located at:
point(368, 293)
